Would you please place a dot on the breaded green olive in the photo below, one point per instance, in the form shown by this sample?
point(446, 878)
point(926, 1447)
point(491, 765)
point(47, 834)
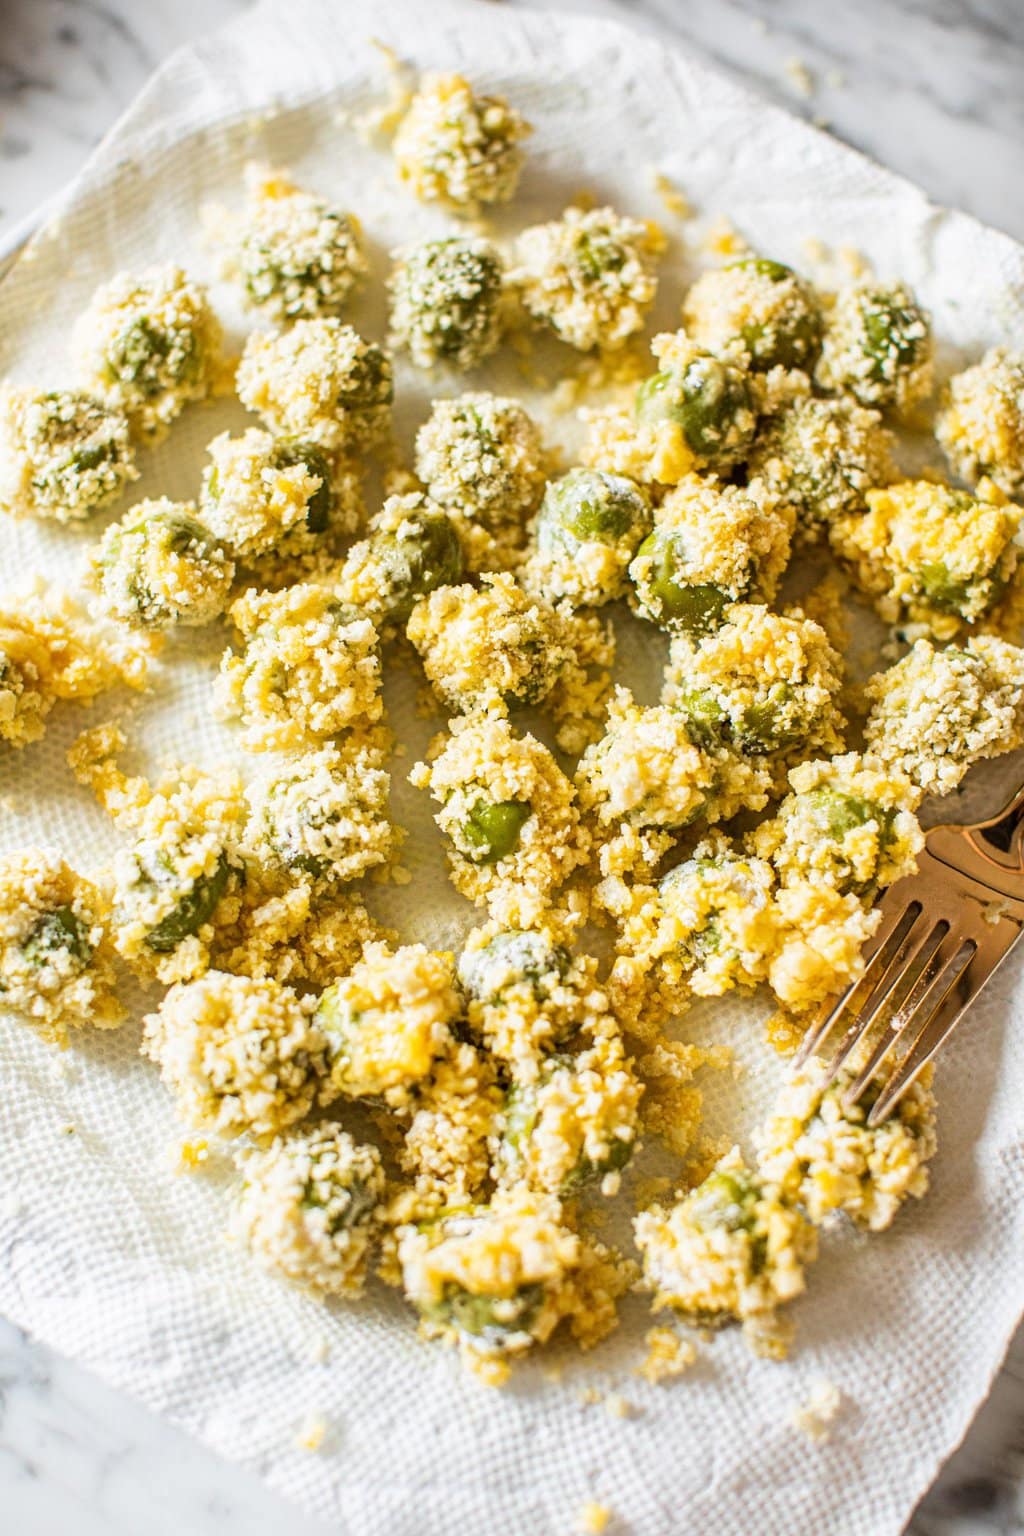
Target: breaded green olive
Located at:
point(668, 597)
point(491, 830)
point(194, 907)
point(710, 401)
point(512, 958)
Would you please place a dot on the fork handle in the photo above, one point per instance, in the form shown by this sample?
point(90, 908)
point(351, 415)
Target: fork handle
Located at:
point(1000, 840)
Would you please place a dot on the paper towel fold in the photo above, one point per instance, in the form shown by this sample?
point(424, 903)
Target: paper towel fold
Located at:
point(114, 1260)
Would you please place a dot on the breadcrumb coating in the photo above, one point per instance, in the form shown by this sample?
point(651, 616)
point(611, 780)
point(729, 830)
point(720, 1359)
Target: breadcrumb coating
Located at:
point(761, 684)
point(159, 566)
point(56, 959)
point(264, 496)
point(291, 934)
point(322, 817)
point(509, 813)
point(446, 302)
point(981, 423)
point(698, 412)
point(646, 780)
point(150, 343)
point(64, 454)
point(878, 348)
point(294, 256)
point(731, 1249)
point(758, 308)
point(50, 652)
point(822, 457)
point(713, 544)
point(385, 1022)
point(457, 148)
point(587, 531)
point(412, 547)
point(936, 712)
point(319, 382)
point(308, 669)
point(480, 457)
point(826, 1158)
point(931, 555)
point(307, 1207)
point(242, 1057)
point(588, 275)
point(451, 1118)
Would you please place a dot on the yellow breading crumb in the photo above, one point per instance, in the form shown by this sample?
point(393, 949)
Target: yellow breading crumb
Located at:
point(320, 382)
point(160, 566)
point(588, 275)
point(242, 1057)
point(758, 309)
point(447, 301)
point(981, 423)
point(668, 1356)
point(762, 683)
point(386, 1021)
point(592, 1518)
point(451, 1118)
point(308, 669)
point(307, 1208)
point(574, 1122)
point(673, 199)
point(63, 454)
point(322, 817)
point(291, 935)
point(150, 344)
point(49, 652)
point(311, 1433)
point(645, 780)
point(697, 412)
point(936, 712)
point(293, 255)
point(264, 496)
point(480, 457)
point(729, 1250)
point(56, 958)
point(493, 645)
point(509, 813)
point(457, 148)
point(712, 544)
point(193, 1154)
point(813, 1417)
point(931, 555)
point(822, 457)
point(799, 77)
point(878, 348)
point(827, 1159)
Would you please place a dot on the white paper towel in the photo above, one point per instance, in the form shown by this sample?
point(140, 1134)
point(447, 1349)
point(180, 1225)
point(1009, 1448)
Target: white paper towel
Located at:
point(108, 1256)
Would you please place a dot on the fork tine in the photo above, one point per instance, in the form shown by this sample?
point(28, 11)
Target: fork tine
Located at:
point(887, 946)
point(919, 1053)
point(902, 973)
point(903, 1015)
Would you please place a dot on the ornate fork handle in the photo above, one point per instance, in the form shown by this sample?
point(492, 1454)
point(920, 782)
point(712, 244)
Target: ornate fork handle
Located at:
point(989, 852)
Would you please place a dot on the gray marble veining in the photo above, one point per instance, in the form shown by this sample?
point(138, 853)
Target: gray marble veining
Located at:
point(934, 89)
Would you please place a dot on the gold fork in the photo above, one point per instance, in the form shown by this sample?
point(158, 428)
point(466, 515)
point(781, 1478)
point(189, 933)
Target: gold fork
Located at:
point(945, 930)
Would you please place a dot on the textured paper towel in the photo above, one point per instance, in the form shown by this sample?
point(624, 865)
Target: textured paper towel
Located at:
point(110, 1258)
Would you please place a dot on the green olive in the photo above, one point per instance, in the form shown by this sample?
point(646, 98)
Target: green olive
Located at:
point(711, 403)
point(287, 455)
point(598, 253)
point(492, 829)
point(60, 932)
point(762, 728)
point(510, 959)
point(615, 1159)
point(362, 1203)
point(194, 908)
point(792, 343)
point(838, 813)
point(492, 1319)
point(727, 1201)
point(595, 507)
point(148, 357)
point(370, 383)
point(895, 332)
point(695, 607)
point(705, 719)
point(426, 554)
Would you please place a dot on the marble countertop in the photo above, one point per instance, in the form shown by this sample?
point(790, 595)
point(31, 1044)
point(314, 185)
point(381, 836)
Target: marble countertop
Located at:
point(930, 87)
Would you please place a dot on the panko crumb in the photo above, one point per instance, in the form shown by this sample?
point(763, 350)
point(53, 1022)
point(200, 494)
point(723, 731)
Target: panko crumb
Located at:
point(311, 1433)
point(592, 1518)
point(815, 1415)
point(668, 1355)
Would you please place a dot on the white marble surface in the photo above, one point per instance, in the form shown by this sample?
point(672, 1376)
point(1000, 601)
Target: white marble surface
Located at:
point(931, 87)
